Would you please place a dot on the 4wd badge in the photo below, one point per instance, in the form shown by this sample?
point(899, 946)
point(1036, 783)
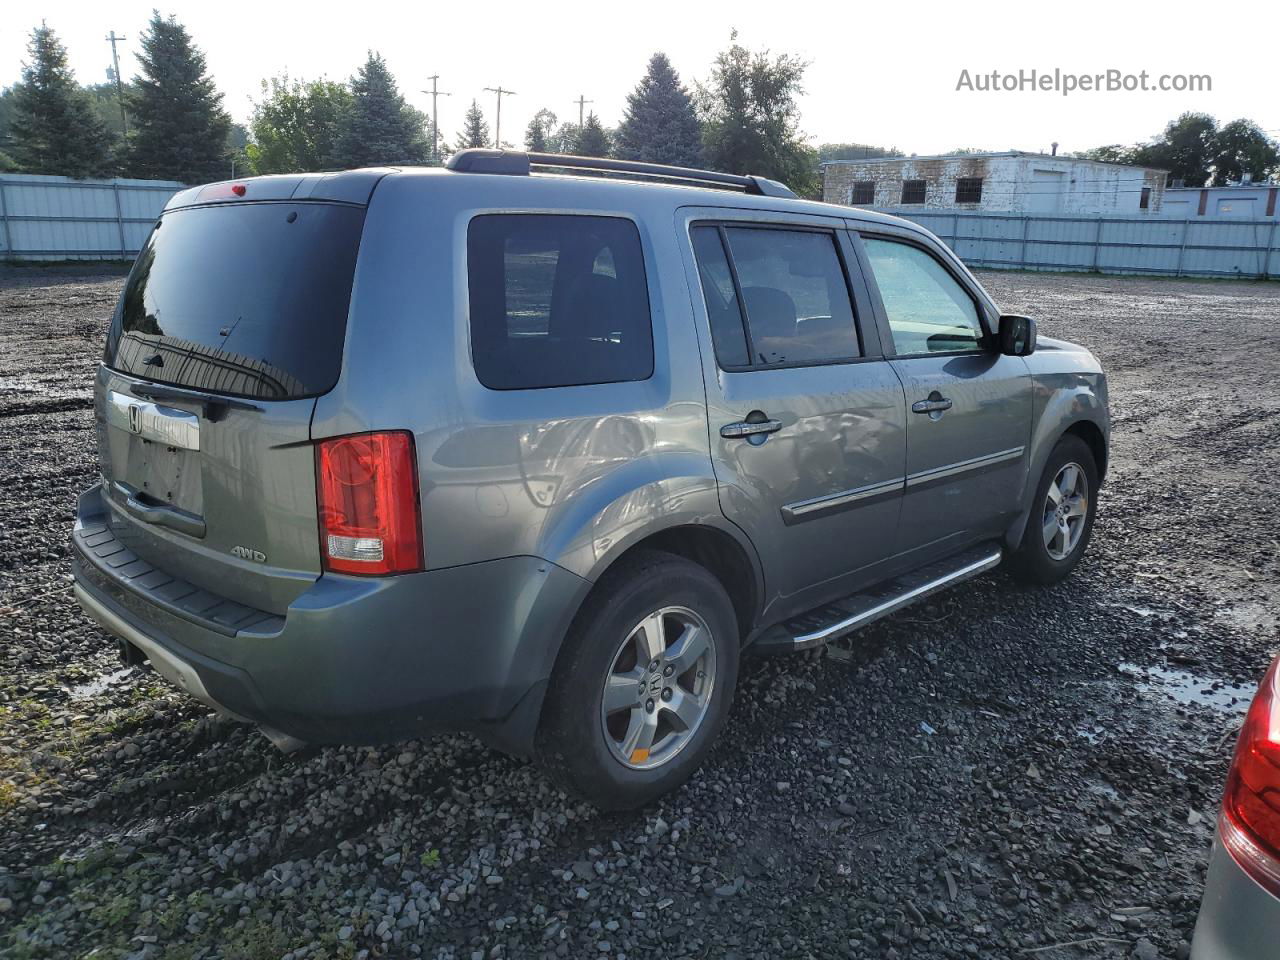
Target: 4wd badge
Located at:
point(244, 553)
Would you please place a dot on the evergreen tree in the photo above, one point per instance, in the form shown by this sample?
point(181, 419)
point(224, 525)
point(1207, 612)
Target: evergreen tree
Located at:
point(178, 129)
point(535, 135)
point(474, 132)
point(380, 128)
point(752, 120)
point(295, 127)
point(53, 128)
point(659, 124)
point(593, 141)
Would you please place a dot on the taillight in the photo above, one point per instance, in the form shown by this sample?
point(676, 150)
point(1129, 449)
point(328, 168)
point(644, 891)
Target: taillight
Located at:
point(1250, 822)
point(367, 494)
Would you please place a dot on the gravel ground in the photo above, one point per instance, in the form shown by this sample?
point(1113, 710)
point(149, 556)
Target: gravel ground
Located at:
point(992, 774)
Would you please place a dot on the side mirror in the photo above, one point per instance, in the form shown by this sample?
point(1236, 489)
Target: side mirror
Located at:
point(1017, 335)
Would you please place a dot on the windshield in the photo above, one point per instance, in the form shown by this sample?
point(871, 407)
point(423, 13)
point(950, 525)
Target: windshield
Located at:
point(242, 299)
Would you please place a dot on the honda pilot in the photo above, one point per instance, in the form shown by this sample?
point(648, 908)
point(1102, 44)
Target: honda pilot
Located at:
point(538, 447)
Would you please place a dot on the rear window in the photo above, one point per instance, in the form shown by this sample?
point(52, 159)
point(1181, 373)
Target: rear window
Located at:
point(557, 300)
point(242, 299)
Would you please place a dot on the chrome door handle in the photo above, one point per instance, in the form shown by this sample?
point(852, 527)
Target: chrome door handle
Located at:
point(745, 428)
point(934, 404)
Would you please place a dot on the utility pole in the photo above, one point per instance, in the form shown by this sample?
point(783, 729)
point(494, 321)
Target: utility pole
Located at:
point(115, 66)
point(497, 122)
point(582, 102)
point(435, 123)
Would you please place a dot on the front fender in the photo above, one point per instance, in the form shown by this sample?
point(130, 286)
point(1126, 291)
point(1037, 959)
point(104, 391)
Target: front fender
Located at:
point(1066, 392)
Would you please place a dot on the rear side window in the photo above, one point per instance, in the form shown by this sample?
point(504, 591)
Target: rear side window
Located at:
point(247, 299)
point(557, 301)
point(727, 333)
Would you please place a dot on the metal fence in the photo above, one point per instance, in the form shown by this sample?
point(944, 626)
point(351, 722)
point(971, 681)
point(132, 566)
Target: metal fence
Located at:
point(1199, 247)
point(57, 218)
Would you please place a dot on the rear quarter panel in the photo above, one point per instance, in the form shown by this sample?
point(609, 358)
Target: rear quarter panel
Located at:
point(573, 475)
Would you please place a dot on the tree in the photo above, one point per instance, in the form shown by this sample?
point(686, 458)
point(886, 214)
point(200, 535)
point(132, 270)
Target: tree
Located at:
point(828, 152)
point(296, 125)
point(178, 129)
point(1185, 149)
point(592, 140)
point(1111, 153)
point(1241, 147)
point(659, 123)
point(535, 135)
point(379, 127)
point(474, 132)
point(751, 120)
point(53, 128)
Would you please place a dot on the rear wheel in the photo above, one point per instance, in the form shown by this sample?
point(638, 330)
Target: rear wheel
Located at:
point(1062, 512)
point(643, 683)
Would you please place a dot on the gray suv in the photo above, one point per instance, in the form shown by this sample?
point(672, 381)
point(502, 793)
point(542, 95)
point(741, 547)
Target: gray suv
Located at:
point(538, 446)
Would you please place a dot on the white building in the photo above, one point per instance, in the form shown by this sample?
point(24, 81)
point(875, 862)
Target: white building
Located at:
point(1011, 182)
point(1241, 201)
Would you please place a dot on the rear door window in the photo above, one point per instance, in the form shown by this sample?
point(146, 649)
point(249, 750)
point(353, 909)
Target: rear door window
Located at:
point(557, 300)
point(791, 286)
point(247, 299)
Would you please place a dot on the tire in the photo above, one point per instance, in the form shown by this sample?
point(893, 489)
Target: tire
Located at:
point(602, 756)
point(1041, 561)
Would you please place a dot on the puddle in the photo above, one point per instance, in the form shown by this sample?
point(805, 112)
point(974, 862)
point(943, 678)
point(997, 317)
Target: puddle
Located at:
point(100, 685)
point(1186, 688)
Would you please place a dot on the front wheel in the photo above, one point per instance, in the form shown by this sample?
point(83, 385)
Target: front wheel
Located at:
point(1062, 513)
point(643, 684)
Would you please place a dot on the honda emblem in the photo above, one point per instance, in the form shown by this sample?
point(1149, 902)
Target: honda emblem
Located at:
point(135, 418)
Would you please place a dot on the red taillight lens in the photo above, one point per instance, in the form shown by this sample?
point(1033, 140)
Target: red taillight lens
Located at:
point(1251, 805)
point(367, 493)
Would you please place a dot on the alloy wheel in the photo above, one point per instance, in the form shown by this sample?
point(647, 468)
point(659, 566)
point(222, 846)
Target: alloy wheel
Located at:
point(1066, 507)
point(658, 689)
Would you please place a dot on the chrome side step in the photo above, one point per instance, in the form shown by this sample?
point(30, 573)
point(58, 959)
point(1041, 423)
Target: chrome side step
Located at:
point(844, 616)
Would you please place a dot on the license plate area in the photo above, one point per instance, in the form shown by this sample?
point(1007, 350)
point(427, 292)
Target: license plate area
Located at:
point(161, 447)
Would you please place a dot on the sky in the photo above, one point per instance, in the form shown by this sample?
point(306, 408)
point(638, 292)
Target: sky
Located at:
point(885, 74)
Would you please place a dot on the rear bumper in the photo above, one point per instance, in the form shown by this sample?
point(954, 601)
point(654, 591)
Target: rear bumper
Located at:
point(1239, 920)
point(360, 660)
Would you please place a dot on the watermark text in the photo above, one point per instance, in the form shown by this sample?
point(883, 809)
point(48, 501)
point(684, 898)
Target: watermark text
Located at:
point(1066, 83)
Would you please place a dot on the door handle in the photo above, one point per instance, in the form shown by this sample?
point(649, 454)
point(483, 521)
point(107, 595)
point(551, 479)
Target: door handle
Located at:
point(746, 428)
point(935, 404)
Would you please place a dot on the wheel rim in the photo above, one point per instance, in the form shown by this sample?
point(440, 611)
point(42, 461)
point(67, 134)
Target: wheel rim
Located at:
point(658, 688)
point(1066, 508)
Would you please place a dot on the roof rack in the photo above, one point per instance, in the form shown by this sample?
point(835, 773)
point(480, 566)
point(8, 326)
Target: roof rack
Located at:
point(517, 163)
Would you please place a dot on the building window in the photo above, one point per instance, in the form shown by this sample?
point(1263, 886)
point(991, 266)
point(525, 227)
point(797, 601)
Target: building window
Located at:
point(864, 191)
point(969, 190)
point(1144, 201)
point(913, 191)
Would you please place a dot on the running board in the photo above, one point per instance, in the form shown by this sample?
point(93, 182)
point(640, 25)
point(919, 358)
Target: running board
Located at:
point(834, 620)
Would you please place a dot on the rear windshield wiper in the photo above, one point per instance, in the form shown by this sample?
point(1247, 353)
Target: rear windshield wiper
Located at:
point(213, 407)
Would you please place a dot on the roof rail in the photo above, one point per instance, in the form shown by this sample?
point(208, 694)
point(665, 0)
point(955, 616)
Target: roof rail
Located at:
point(518, 163)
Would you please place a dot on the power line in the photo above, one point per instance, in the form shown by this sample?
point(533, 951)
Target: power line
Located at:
point(115, 66)
point(497, 123)
point(435, 123)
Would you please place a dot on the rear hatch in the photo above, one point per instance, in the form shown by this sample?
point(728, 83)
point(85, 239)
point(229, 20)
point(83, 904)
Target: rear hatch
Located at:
point(231, 324)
